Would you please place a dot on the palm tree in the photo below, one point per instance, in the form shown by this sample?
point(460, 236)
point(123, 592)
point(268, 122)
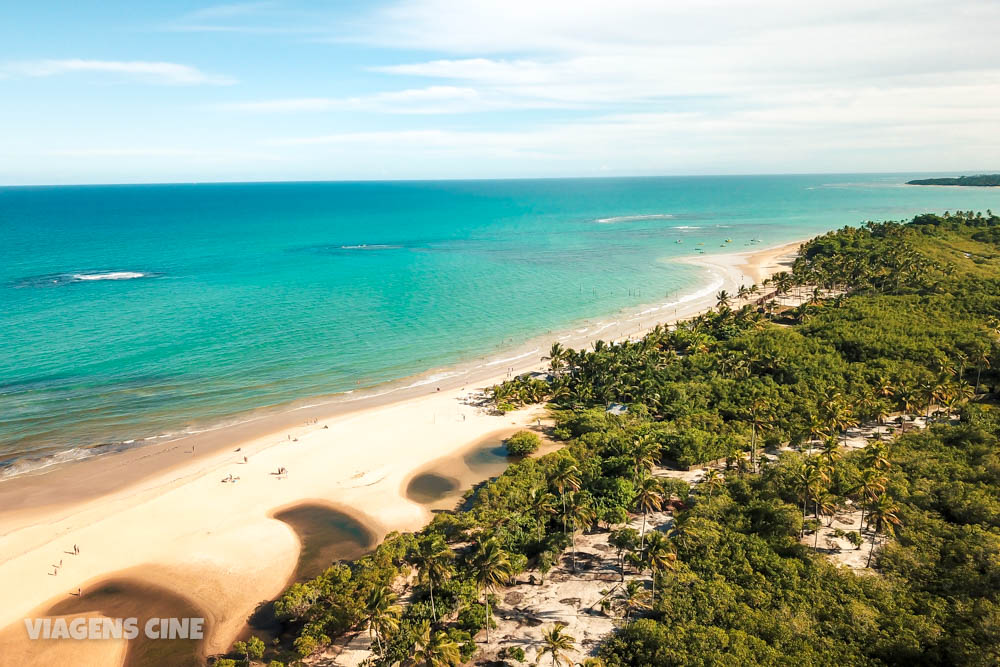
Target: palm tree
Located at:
point(883, 387)
point(437, 650)
point(712, 480)
point(540, 504)
point(578, 514)
point(981, 356)
point(492, 569)
point(872, 484)
point(883, 515)
point(382, 614)
point(432, 558)
point(565, 477)
point(649, 498)
point(809, 479)
point(633, 598)
point(623, 539)
point(830, 451)
point(557, 645)
point(818, 429)
point(760, 414)
point(645, 454)
point(874, 456)
point(722, 299)
point(659, 555)
point(556, 358)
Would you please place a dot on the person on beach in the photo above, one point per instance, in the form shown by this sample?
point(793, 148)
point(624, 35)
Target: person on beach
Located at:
point(244, 459)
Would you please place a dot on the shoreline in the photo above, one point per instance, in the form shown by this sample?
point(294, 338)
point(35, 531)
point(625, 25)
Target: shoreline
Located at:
point(288, 415)
point(163, 508)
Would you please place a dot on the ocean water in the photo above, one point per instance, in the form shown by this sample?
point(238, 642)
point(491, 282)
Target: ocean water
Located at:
point(128, 312)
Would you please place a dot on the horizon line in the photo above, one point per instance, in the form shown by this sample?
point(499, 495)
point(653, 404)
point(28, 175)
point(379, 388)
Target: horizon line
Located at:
point(971, 172)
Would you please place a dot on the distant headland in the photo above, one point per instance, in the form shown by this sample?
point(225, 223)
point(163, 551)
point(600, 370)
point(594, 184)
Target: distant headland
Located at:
point(982, 181)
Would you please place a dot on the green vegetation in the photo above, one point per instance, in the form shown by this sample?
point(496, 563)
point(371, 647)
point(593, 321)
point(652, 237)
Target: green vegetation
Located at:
point(982, 180)
point(884, 324)
point(523, 443)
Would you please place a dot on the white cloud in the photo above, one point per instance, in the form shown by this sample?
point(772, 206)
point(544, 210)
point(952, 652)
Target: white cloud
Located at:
point(835, 130)
point(152, 72)
point(600, 54)
point(162, 152)
point(429, 100)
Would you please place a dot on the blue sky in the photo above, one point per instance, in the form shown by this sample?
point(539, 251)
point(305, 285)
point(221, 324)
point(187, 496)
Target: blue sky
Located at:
point(116, 92)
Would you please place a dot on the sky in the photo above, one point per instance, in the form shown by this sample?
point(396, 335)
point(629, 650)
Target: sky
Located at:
point(122, 91)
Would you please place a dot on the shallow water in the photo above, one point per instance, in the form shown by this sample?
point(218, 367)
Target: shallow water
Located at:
point(130, 312)
point(441, 484)
point(131, 598)
point(327, 535)
point(427, 488)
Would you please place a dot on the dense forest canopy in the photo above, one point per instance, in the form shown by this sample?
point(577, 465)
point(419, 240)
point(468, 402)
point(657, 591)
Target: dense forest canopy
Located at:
point(981, 180)
point(882, 323)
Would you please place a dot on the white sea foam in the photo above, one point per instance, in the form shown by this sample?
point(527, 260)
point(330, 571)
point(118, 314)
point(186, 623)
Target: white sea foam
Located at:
point(111, 275)
point(603, 327)
point(686, 227)
point(633, 218)
point(520, 356)
point(436, 377)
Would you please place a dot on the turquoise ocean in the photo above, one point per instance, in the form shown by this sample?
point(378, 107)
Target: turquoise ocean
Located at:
point(128, 312)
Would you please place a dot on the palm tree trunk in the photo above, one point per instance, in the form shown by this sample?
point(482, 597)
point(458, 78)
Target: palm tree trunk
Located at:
point(487, 597)
point(433, 609)
point(642, 535)
point(979, 372)
point(573, 551)
point(564, 511)
point(872, 550)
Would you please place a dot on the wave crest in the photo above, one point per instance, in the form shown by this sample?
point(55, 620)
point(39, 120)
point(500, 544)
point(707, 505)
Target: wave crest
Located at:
point(73, 277)
point(633, 218)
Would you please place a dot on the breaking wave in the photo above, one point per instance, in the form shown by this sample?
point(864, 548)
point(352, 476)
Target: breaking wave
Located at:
point(69, 278)
point(632, 218)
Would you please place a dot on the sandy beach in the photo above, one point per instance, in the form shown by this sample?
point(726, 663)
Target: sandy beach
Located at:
point(161, 514)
